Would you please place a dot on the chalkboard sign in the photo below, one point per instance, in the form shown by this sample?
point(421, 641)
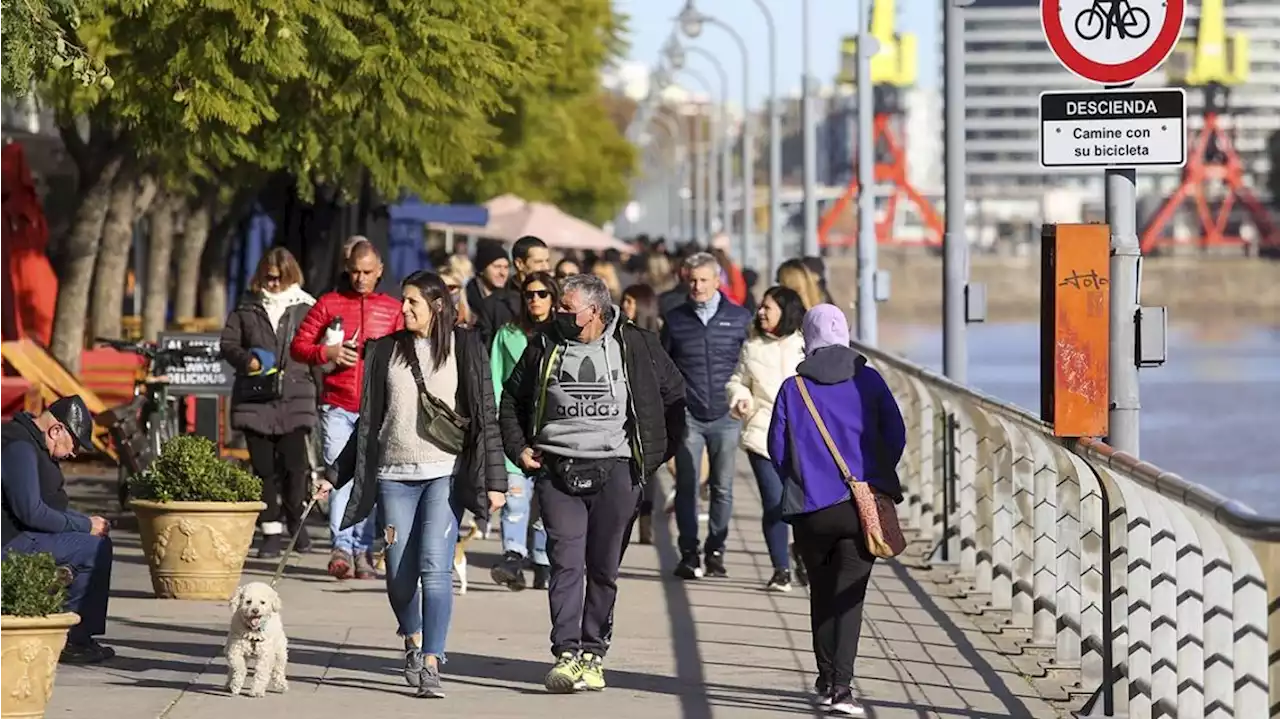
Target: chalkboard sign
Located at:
point(202, 375)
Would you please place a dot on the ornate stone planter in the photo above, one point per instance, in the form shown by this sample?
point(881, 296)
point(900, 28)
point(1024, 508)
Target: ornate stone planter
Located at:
point(196, 550)
point(29, 651)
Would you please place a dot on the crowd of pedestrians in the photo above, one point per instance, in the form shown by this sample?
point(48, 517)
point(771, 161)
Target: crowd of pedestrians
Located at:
point(545, 400)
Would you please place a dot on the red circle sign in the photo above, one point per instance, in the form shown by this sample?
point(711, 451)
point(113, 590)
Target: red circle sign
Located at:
point(1112, 42)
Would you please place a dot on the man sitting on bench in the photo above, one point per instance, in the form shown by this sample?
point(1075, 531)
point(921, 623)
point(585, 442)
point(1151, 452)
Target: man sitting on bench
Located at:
point(37, 517)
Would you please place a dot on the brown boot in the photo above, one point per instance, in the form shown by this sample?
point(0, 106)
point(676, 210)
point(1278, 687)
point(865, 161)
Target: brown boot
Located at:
point(364, 566)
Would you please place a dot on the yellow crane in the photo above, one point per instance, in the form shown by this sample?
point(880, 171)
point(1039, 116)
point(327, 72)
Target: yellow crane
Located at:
point(893, 69)
point(1213, 178)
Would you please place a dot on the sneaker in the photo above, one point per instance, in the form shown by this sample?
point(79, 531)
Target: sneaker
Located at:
point(272, 546)
point(689, 566)
point(429, 687)
point(364, 566)
point(509, 571)
point(822, 692)
point(541, 576)
point(90, 652)
point(780, 581)
point(566, 676)
point(412, 664)
point(715, 565)
point(340, 564)
point(592, 672)
point(646, 529)
point(844, 703)
point(802, 574)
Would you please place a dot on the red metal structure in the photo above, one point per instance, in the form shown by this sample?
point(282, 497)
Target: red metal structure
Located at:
point(893, 171)
point(1212, 159)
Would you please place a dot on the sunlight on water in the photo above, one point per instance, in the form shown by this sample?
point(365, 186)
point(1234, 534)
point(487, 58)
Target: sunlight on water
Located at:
point(1211, 414)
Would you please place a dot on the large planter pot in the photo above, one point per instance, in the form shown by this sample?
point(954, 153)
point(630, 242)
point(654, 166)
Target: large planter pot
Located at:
point(196, 550)
point(29, 659)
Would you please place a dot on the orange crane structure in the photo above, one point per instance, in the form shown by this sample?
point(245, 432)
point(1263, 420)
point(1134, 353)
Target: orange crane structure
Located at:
point(893, 69)
point(1213, 178)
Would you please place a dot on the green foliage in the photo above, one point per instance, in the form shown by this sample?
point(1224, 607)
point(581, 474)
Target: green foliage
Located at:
point(32, 585)
point(38, 36)
point(190, 470)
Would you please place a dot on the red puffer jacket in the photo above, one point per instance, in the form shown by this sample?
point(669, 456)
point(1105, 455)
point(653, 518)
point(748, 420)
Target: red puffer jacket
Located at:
point(364, 318)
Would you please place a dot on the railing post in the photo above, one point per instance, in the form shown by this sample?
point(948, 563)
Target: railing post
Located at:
point(947, 549)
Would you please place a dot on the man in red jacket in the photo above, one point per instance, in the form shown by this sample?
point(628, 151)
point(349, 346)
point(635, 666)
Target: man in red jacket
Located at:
point(366, 315)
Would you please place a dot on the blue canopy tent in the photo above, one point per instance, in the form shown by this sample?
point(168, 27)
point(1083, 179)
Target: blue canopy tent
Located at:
point(407, 247)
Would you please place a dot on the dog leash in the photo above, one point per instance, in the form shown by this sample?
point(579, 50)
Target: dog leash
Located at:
point(293, 541)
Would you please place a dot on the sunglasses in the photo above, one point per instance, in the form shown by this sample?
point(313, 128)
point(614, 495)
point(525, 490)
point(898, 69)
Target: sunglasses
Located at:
point(272, 278)
point(540, 294)
point(454, 289)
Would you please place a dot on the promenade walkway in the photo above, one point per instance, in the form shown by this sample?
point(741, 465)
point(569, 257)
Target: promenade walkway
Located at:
point(714, 648)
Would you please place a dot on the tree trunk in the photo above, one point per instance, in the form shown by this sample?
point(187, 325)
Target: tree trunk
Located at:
point(213, 274)
point(156, 302)
point(80, 253)
point(189, 252)
point(113, 257)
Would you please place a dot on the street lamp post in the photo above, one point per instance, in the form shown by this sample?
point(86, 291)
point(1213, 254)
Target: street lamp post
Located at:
point(691, 22)
point(679, 151)
point(675, 54)
point(775, 145)
point(810, 120)
point(707, 184)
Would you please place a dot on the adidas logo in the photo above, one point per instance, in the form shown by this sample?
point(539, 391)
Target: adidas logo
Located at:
point(587, 385)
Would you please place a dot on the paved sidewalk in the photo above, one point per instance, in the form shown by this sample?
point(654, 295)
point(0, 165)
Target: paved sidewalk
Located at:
point(714, 648)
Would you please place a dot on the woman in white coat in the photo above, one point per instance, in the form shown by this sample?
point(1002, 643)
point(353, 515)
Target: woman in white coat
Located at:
point(768, 357)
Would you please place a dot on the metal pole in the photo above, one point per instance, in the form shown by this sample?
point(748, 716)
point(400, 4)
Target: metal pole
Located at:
point(726, 161)
point(810, 247)
point(775, 146)
point(1126, 258)
point(748, 167)
point(955, 244)
point(699, 180)
point(868, 330)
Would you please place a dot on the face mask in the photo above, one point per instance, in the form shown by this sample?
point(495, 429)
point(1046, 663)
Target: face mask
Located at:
point(567, 325)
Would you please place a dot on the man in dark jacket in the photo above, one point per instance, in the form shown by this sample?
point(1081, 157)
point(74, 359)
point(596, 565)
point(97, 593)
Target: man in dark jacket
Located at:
point(593, 408)
point(704, 337)
point(529, 254)
point(37, 517)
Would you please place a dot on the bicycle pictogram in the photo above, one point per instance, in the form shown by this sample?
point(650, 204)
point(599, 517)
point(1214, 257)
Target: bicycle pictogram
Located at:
point(1112, 16)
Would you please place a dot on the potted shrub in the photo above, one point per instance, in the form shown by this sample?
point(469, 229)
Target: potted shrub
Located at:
point(196, 514)
point(33, 630)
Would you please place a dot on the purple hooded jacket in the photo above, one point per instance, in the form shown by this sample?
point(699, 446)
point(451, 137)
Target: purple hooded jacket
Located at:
point(862, 417)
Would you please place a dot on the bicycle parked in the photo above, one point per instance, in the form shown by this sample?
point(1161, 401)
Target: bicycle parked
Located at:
point(140, 427)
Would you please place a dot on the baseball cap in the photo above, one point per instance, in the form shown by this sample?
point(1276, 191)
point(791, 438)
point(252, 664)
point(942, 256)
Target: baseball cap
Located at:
point(74, 415)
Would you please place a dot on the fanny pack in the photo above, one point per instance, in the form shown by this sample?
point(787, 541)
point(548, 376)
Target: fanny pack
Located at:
point(577, 476)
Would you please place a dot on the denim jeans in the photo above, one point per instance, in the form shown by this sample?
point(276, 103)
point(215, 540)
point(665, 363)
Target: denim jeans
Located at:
point(336, 426)
point(720, 437)
point(775, 530)
point(419, 519)
point(515, 521)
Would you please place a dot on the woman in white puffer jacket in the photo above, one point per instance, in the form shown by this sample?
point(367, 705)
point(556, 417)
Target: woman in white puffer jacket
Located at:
point(768, 357)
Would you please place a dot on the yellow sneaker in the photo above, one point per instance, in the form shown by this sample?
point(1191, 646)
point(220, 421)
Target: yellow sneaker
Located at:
point(566, 676)
point(592, 672)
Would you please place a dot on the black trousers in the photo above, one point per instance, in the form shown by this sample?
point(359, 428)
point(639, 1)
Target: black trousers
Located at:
point(585, 540)
point(281, 461)
point(831, 545)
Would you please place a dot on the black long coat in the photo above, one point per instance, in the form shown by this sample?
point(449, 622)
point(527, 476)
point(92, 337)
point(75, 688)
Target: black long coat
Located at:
point(248, 327)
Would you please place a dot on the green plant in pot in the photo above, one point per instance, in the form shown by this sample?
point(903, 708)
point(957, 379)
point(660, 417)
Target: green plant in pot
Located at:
point(196, 514)
point(33, 630)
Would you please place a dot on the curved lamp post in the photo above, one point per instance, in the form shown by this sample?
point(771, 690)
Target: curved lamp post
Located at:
point(691, 22)
point(677, 55)
point(707, 176)
point(678, 215)
point(667, 155)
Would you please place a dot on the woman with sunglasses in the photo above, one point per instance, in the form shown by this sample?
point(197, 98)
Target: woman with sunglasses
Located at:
point(539, 296)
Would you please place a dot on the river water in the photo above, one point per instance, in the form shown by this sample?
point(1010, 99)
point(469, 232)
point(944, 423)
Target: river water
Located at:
point(1210, 414)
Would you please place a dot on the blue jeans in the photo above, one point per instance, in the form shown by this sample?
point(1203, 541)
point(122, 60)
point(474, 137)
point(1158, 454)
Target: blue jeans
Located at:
point(89, 558)
point(720, 437)
point(420, 522)
point(336, 426)
point(775, 530)
point(515, 521)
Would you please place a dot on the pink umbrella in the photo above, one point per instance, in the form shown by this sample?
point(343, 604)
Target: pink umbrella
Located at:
point(556, 228)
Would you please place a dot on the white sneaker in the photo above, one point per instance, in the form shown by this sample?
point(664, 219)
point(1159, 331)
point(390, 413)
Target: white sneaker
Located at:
point(843, 703)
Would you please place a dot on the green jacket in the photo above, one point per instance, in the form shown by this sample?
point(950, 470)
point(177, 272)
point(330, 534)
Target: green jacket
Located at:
point(508, 345)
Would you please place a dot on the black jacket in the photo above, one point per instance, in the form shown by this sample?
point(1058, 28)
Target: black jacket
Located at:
point(499, 308)
point(248, 327)
point(32, 497)
point(482, 469)
point(655, 398)
point(706, 354)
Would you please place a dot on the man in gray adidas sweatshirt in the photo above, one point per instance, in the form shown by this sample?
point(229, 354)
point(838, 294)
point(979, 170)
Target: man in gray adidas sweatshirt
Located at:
point(593, 407)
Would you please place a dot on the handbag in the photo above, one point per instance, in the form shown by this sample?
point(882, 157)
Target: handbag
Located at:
point(262, 388)
point(876, 510)
point(445, 428)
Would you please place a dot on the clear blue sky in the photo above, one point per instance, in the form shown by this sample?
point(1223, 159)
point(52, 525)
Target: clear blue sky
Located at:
point(649, 24)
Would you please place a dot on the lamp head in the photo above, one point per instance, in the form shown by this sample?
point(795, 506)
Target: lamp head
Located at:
point(691, 20)
point(675, 53)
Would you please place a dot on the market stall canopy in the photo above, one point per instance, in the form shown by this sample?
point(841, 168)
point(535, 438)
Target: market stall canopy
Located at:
point(511, 218)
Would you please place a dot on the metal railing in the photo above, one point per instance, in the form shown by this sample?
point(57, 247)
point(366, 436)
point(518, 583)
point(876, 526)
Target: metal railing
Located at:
point(1163, 594)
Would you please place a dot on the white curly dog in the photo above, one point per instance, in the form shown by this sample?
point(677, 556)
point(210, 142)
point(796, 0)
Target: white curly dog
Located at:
point(256, 631)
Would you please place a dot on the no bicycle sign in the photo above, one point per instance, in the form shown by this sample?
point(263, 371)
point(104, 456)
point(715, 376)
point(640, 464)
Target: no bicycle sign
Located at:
point(1112, 42)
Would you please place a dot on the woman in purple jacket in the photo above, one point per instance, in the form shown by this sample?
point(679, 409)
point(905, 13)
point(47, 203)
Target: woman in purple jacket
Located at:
point(866, 426)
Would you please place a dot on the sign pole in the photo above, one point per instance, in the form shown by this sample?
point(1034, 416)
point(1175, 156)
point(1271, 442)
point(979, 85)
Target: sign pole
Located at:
point(1126, 261)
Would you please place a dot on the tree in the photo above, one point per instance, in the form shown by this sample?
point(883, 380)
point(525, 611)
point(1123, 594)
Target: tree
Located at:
point(38, 36)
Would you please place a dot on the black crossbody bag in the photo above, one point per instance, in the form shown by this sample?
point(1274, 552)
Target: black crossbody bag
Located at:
point(266, 388)
point(446, 428)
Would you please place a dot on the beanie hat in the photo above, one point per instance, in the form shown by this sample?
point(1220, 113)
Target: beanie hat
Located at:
point(824, 326)
point(489, 252)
